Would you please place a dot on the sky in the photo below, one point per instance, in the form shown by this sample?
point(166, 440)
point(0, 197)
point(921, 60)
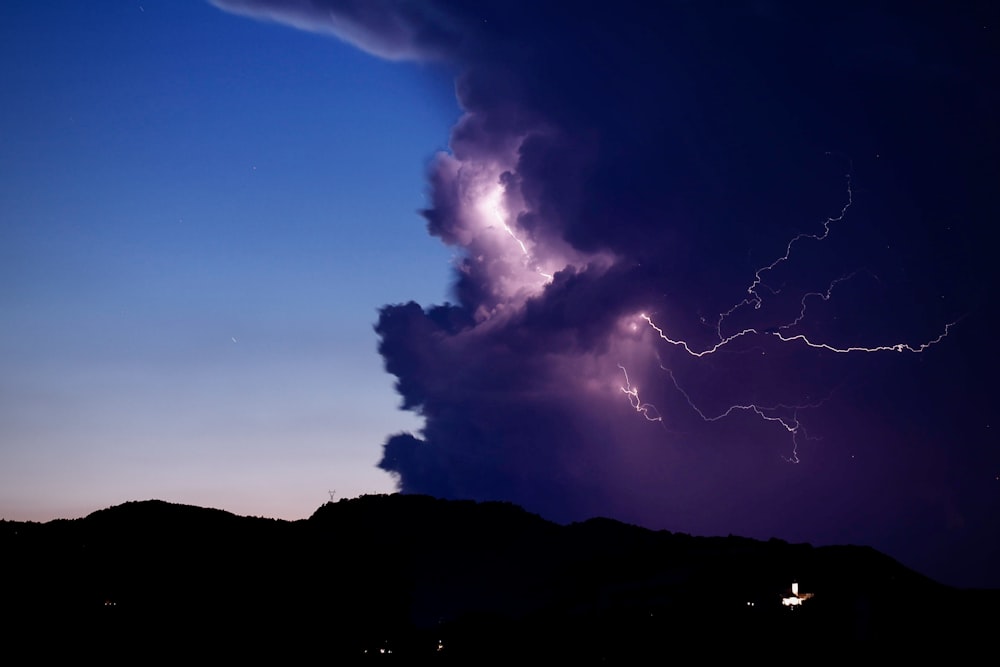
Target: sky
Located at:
point(718, 268)
point(199, 218)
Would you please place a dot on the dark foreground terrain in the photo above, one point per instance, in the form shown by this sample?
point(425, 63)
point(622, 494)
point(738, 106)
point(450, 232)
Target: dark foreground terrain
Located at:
point(408, 578)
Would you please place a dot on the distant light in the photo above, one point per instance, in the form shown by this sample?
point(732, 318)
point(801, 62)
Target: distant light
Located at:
point(796, 598)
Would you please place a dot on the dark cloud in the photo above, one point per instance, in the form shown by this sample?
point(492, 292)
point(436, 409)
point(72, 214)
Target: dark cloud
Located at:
point(647, 159)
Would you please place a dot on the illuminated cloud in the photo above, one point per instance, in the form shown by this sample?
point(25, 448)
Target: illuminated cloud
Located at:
point(666, 286)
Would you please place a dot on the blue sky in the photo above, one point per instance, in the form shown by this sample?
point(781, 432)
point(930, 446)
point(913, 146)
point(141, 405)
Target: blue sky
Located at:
point(199, 218)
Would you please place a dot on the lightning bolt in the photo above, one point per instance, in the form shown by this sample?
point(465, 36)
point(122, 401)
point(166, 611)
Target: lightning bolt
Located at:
point(891, 347)
point(825, 296)
point(790, 423)
point(647, 410)
point(784, 415)
point(758, 276)
point(496, 210)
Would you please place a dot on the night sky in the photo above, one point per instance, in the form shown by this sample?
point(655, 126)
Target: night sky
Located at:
point(719, 268)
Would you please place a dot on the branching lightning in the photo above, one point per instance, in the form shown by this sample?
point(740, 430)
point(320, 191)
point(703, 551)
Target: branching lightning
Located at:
point(824, 296)
point(647, 410)
point(758, 279)
point(523, 267)
point(790, 423)
point(784, 415)
point(687, 348)
point(892, 347)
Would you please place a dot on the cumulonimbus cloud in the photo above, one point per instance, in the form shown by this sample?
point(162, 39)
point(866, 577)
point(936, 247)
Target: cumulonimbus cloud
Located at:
point(624, 177)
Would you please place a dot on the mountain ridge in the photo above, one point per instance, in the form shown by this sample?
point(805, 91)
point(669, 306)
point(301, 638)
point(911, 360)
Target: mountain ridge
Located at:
point(394, 568)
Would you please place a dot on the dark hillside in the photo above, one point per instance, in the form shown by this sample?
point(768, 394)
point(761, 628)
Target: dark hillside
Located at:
point(414, 574)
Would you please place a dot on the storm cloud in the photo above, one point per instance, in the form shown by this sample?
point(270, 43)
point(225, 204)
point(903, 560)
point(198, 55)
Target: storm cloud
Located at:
point(620, 165)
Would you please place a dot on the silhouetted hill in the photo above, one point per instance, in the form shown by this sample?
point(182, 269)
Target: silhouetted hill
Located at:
point(403, 573)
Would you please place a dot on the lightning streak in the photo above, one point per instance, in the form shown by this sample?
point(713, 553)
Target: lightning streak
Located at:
point(493, 202)
point(825, 296)
point(777, 413)
point(767, 413)
point(892, 347)
point(758, 280)
point(647, 410)
point(687, 348)
point(756, 299)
